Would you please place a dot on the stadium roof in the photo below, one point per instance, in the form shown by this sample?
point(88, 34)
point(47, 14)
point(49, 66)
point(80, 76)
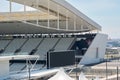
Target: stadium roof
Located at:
point(51, 16)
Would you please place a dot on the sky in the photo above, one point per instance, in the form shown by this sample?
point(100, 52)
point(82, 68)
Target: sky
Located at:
point(105, 12)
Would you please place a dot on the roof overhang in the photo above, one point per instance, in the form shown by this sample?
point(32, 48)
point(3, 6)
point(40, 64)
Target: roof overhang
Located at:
point(70, 19)
point(78, 13)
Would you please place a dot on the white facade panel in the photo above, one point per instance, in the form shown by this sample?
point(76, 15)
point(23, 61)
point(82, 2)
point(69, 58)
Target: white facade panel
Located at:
point(4, 68)
point(96, 51)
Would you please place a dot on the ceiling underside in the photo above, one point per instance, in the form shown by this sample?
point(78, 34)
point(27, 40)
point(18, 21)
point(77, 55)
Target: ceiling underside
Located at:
point(28, 28)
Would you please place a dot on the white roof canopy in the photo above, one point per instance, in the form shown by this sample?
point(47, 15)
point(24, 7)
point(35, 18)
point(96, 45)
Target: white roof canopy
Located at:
point(52, 16)
point(61, 75)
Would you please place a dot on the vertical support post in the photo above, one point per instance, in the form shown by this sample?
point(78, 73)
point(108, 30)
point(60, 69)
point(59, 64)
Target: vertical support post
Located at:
point(117, 73)
point(10, 6)
point(37, 2)
point(24, 7)
point(66, 20)
point(106, 68)
point(74, 22)
point(76, 72)
point(48, 13)
point(58, 19)
point(76, 66)
point(29, 68)
point(82, 22)
point(90, 28)
point(81, 27)
point(24, 11)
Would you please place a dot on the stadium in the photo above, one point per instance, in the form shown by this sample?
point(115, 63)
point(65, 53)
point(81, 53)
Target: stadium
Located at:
point(56, 34)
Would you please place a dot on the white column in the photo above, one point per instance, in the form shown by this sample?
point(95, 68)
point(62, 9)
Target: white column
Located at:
point(24, 7)
point(10, 6)
point(58, 19)
point(74, 22)
point(24, 11)
point(4, 68)
point(81, 27)
point(48, 13)
point(89, 27)
point(37, 2)
point(66, 20)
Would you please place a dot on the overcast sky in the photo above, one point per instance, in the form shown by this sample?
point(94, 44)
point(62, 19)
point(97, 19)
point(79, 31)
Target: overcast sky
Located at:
point(104, 12)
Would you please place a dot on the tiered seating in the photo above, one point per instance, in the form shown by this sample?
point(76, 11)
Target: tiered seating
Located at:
point(30, 45)
point(42, 45)
point(45, 46)
point(3, 43)
point(17, 67)
point(35, 67)
point(63, 44)
point(15, 44)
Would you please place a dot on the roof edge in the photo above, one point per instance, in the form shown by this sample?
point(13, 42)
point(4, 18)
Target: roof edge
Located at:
point(78, 13)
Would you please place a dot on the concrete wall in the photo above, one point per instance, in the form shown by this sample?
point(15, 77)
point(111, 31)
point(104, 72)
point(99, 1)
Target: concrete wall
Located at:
point(4, 68)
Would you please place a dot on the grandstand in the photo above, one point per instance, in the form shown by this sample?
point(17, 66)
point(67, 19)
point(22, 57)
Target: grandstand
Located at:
point(54, 26)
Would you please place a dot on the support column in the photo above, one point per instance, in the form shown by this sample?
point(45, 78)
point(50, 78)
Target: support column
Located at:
point(74, 22)
point(37, 2)
point(10, 6)
point(58, 19)
point(81, 27)
point(117, 73)
point(66, 20)
point(48, 13)
point(24, 7)
point(89, 26)
point(24, 11)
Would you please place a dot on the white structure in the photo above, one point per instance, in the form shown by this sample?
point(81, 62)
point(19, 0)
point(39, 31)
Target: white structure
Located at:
point(4, 63)
point(61, 75)
point(82, 76)
point(52, 16)
point(96, 50)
